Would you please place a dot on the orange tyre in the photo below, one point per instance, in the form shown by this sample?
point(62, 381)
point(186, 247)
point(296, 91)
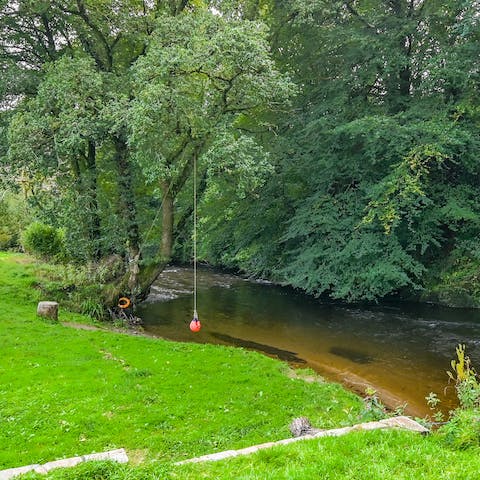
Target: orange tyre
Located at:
point(124, 302)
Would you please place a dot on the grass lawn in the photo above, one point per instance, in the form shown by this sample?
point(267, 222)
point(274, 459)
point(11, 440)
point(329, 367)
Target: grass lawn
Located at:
point(65, 392)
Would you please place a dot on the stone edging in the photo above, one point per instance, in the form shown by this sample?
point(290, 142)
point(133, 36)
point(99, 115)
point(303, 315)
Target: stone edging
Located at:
point(402, 422)
point(118, 455)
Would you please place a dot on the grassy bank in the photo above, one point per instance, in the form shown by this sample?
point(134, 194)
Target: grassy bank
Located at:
point(66, 392)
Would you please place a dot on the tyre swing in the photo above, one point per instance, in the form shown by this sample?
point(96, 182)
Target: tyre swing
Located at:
point(195, 324)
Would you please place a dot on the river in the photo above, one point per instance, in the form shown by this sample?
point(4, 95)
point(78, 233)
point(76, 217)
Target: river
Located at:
point(401, 350)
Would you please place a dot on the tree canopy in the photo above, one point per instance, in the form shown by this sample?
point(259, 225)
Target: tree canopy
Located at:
point(336, 142)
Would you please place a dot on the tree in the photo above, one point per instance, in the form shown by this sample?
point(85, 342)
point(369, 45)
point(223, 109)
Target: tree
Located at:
point(361, 189)
point(46, 47)
point(375, 171)
point(203, 79)
point(86, 108)
point(54, 138)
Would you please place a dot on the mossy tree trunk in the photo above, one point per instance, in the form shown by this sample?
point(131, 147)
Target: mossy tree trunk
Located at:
point(167, 223)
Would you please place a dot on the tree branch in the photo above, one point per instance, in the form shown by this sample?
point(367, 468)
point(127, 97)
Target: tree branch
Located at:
point(352, 11)
point(52, 48)
point(83, 14)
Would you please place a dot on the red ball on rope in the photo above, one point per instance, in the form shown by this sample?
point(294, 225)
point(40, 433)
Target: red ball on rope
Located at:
point(195, 325)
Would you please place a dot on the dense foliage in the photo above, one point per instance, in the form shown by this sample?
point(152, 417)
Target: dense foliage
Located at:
point(337, 141)
point(375, 189)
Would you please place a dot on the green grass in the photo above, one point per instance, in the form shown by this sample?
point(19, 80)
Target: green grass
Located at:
point(65, 392)
point(360, 456)
point(374, 455)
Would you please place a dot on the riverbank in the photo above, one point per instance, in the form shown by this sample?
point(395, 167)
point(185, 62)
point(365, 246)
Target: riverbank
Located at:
point(402, 350)
point(452, 284)
point(67, 392)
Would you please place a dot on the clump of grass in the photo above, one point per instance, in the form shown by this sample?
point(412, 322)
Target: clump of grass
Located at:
point(374, 455)
point(463, 428)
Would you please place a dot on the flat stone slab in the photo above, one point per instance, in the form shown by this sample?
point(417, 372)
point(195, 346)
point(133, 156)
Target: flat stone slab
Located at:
point(402, 422)
point(406, 423)
point(13, 472)
point(118, 455)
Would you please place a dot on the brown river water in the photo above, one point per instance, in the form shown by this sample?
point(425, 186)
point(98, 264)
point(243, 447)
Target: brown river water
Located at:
point(400, 350)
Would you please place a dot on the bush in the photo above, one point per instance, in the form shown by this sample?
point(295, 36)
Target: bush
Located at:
point(82, 288)
point(463, 429)
point(454, 281)
point(43, 241)
point(14, 217)
point(7, 240)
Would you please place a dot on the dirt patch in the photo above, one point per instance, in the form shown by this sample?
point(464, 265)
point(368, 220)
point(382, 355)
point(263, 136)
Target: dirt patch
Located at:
point(133, 331)
point(82, 326)
point(305, 375)
point(22, 259)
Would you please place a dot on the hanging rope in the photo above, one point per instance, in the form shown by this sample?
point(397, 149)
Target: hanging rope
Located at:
point(195, 237)
point(195, 323)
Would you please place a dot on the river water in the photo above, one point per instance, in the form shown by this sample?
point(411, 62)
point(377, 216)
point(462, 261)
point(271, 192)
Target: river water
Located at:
point(400, 350)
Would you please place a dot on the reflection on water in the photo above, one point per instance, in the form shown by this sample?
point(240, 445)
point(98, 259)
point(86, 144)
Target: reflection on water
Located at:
point(402, 350)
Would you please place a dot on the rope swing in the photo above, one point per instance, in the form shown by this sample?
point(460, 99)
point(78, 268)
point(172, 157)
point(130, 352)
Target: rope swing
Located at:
point(195, 324)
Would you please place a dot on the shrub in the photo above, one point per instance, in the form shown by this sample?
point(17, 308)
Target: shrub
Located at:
point(93, 308)
point(7, 240)
point(80, 288)
point(466, 381)
point(463, 428)
point(373, 407)
point(14, 217)
point(43, 241)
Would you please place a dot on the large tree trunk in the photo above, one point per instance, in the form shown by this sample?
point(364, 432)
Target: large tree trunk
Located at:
point(167, 223)
point(94, 232)
point(138, 278)
point(129, 213)
point(402, 81)
point(405, 73)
